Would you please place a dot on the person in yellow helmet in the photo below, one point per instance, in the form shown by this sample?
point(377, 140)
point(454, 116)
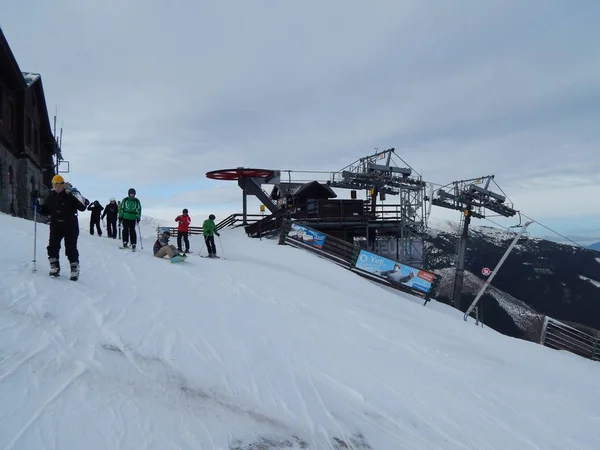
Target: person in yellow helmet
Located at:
point(62, 204)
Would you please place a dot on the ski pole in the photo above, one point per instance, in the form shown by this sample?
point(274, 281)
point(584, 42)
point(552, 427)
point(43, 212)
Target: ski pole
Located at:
point(34, 235)
point(221, 244)
point(140, 234)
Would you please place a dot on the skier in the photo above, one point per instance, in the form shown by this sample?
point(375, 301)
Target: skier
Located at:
point(183, 228)
point(62, 204)
point(111, 211)
point(96, 208)
point(130, 212)
point(162, 248)
point(209, 229)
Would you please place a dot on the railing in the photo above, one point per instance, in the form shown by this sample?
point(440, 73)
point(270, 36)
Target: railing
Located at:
point(232, 220)
point(346, 254)
point(560, 336)
point(267, 224)
point(337, 250)
point(346, 211)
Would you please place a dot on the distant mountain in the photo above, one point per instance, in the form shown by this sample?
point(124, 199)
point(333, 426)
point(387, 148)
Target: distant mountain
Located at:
point(540, 277)
point(595, 246)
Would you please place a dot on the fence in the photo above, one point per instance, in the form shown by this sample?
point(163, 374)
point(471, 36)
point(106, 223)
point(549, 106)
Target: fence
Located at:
point(232, 220)
point(267, 224)
point(560, 336)
point(346, 255)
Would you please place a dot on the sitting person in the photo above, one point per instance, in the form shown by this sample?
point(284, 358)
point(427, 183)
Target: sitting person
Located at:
point(162, 248)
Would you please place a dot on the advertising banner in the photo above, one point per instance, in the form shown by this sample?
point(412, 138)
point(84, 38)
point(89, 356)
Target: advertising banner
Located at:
point(307, 236)
point(395, 272)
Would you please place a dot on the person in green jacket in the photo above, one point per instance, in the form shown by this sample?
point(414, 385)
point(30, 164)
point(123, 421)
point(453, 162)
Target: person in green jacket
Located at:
point(209, 229)
point(130, 212)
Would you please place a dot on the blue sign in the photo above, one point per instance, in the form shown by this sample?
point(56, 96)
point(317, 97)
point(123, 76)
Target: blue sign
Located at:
point(395, 272)
point(306, 235)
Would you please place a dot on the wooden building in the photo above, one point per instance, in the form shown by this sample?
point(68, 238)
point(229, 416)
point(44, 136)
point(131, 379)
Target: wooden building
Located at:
point(28, 149)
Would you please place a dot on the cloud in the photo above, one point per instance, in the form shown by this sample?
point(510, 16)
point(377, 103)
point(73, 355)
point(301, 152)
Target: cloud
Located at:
point(154, 94)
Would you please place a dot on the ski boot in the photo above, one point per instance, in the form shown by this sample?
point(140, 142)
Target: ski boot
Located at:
point(74, 271)
point(54, 267)
point(133, 247)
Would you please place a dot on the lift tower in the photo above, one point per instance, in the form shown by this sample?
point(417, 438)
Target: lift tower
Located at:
point(381, 173)
point(473, 197)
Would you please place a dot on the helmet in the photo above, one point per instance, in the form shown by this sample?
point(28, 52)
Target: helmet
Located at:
point(167, 232)
point(212, 217)
point(185, 211)
point(57, 179)
point(131, 191)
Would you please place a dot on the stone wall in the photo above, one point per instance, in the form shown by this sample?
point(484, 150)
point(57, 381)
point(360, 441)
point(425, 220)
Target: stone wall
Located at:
point(20, 179)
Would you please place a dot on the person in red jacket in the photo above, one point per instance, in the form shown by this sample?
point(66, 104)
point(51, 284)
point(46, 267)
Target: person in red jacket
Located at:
point(183, 229)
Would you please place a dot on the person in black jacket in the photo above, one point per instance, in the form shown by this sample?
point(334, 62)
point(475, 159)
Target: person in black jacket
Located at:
point(111, 212)
point(62, 204)
point(96, 208)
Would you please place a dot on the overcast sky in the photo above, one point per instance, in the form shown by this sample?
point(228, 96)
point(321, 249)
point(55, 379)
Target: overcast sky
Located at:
point(154, 94)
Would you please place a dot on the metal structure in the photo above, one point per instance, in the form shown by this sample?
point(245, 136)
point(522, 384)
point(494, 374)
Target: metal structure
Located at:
point(58, 152)
point(400, 227)
point(380, 175)
point(496, 269)
point(473, 197)
point(560, 336)
point(250, 181)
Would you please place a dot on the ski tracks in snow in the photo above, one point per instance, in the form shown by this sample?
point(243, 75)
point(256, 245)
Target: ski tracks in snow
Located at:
point(82, 340)
point(63, 349)
point(78, 370)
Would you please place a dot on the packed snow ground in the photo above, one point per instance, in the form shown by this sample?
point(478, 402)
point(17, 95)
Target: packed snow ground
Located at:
point(270, 348)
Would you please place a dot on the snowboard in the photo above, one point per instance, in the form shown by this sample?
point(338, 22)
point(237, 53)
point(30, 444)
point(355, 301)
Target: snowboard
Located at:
point(178, 259)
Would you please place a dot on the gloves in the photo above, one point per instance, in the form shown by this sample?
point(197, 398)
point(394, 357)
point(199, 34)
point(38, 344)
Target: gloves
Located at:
point(138, 220)
point(217, 234)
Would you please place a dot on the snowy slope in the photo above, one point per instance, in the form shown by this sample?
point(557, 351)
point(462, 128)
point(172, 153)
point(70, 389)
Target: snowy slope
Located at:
point(270, 348)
